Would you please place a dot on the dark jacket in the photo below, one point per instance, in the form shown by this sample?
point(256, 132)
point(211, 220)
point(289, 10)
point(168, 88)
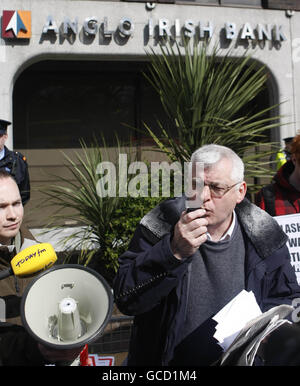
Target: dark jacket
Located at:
point(17, 347)
point(16, 165)
point(280, 197)
point(153, 285)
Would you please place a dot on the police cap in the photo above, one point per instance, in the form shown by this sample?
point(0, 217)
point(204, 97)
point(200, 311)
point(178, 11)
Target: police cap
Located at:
point(288, 139)
point(3, 126)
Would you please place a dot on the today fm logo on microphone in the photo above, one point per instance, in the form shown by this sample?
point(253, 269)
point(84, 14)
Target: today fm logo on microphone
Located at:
point(16, 24)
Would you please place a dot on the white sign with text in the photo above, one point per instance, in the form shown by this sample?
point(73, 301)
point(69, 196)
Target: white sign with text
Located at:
point(290, 224)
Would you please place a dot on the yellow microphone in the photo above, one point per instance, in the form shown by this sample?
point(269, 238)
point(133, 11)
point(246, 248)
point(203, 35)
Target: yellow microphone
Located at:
point(31, 261)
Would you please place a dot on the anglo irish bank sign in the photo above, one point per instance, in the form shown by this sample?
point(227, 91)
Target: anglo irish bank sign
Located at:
point(17, 25)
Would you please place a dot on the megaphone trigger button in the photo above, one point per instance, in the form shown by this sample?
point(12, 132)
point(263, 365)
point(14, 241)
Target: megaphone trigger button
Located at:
point(67, 285)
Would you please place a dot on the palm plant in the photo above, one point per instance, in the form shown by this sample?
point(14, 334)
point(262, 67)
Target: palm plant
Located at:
point(85, 206)
point(106, 223)
point(204, 94)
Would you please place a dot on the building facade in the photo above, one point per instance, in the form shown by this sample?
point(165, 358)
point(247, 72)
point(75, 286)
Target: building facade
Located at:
point(68, 68)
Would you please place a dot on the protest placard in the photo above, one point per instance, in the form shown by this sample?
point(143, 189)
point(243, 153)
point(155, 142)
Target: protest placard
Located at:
point(290, 224)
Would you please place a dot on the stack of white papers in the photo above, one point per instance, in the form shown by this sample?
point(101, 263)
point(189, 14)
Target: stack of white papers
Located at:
point(234, 316)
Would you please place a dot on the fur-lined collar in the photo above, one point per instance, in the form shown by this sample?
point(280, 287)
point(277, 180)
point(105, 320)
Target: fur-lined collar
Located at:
point(263, 231)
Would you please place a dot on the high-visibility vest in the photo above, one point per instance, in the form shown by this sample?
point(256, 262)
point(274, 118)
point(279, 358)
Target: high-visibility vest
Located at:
point(280, 159)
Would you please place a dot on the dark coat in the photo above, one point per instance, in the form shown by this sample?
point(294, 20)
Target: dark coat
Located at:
point(17, 347)
point(153, 285)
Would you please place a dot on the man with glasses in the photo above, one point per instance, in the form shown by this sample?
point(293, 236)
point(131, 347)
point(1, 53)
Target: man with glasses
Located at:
point(191, 255)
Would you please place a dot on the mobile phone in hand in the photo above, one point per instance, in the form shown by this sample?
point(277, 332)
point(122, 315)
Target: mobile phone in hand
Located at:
point(191, 209)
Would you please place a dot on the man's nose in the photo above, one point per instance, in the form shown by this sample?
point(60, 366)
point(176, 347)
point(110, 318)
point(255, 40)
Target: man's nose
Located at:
point(11, 213)
point(206, 195)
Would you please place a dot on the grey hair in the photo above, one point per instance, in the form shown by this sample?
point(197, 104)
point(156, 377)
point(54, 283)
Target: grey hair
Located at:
point(211, 154)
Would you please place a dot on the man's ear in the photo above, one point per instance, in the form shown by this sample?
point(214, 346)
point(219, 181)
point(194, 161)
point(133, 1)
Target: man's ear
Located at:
point(242, 189)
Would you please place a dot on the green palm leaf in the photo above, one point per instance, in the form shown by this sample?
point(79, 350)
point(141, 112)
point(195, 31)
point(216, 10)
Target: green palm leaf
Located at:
point(204, 94)
point(80, 197)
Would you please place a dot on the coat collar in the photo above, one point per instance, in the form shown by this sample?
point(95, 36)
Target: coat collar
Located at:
point(263, 231)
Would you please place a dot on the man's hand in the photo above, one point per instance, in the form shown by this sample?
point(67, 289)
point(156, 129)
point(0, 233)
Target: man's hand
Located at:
point(189, 233)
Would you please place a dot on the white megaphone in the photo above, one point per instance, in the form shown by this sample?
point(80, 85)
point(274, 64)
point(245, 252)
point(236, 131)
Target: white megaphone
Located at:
point(67, 306)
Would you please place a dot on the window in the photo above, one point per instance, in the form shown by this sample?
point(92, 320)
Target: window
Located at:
point(246, 3)
point(67, 100)
point(282, 4)
point(200, 2)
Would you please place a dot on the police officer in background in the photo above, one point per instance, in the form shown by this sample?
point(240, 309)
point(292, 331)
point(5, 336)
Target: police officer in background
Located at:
point(14, 163)
point(284, 155)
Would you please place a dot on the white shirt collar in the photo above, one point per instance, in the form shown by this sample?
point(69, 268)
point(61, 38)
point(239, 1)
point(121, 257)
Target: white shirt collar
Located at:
point(228, 234)
point(10, 247)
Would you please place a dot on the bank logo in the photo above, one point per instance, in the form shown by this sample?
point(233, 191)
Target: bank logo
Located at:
point(16, 24)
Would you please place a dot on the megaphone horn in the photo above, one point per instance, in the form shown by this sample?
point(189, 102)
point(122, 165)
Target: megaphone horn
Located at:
point(67, 306)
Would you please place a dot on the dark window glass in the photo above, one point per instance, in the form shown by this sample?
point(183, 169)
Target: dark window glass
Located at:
point(202, 2)
point(247, 3)
point(282, 4)
point(56, 103)
point(67, 100)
